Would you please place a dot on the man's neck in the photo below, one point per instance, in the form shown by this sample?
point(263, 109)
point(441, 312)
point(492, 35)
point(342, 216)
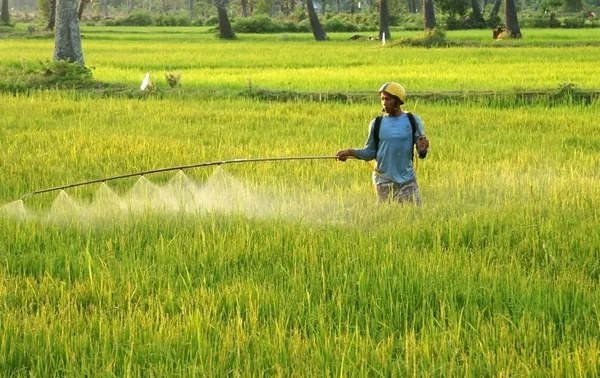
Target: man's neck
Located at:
point(397, 113)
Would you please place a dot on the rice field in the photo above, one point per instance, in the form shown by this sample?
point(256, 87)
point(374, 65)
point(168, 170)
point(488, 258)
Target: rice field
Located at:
point(289, 268)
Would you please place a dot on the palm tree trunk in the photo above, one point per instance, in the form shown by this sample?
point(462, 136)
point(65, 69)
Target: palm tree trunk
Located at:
point(244, 8)
point(429, 15)
point(4, 14)
point(495, 9)
point(225, 29)
point(315, 25)
point(51, 15)
point(511, 20)
point(67, 41)
point(384, 21)
point(81, 8)
point(477, 12)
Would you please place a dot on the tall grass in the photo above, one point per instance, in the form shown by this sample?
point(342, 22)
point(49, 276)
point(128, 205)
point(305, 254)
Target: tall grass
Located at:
point(497, 274)
point(300, 64)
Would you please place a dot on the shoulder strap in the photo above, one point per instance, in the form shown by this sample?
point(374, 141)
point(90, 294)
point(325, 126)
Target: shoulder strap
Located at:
point(413, 125)
point(376, 128)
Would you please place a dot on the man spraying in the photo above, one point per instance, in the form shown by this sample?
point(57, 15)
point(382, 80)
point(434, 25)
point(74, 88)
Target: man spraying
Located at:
point(390, 142)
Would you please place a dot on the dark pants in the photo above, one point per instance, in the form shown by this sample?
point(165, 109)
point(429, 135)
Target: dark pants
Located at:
point(402, 193)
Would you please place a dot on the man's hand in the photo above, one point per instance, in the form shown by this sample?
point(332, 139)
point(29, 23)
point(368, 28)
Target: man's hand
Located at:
point(345, 154)
point(422, 144)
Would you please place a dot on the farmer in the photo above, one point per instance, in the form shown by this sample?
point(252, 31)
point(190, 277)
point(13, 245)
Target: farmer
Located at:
point(392, 148)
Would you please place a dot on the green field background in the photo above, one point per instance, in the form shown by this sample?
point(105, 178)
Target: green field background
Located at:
point(496, 275)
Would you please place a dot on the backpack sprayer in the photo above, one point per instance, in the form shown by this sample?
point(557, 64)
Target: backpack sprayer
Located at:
point(182, 167)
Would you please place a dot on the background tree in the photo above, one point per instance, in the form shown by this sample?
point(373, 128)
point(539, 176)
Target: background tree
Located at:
point(81, 7)
point(225, 29)
point(51, 15)
point(384, 20)
point(477, 14)
point(244, 5)
point(67, 39)
point(315, 25)
point(495, 9)
point(429, 15)
point(453, 7)
point(573, 5)
point(4, 14)
point(511, 20)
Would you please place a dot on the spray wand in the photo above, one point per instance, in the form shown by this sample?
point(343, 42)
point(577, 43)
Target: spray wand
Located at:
point(182, 167)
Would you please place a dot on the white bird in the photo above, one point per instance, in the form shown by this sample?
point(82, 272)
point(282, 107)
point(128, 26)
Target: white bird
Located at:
point(145, 82)
point(383, 38)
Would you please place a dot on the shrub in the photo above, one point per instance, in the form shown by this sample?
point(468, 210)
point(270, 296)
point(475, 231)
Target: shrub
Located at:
point(212, 21)
point(573, 22)
point(541, 21)
point(431, 38)
point(137, 18)
point(337, 25)
point(256, 24)
point(173, 79)
point(64, 72)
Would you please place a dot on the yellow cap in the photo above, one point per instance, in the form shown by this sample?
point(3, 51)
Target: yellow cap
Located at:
point(394, 89)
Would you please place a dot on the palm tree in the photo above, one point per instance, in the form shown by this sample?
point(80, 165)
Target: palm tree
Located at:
point(81, 8)
point(429, 15)
point(478, 19)
point(4, 15)
point(510, 17)
point(67, 39)
point(384, 20)
point(225, 29)
point(51, 15)
point(495, 9)
point(315, 25)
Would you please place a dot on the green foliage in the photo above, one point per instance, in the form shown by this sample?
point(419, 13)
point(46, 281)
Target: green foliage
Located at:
point(573, 22)
point(256, 24)
point(173, 19)
point(64, 71)
point(212, 21)
point(263, 24)
point(454, 7)
point(44, 8)
point(337, 25)
point(540, 21)
point(173, 78)
point(573, 5)
point(496, 275)
point(430, 38)
point(136, 18)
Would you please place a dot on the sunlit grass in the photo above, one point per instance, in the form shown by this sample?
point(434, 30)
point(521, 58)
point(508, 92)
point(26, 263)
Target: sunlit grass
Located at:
point(338, 65)
point(496, 275)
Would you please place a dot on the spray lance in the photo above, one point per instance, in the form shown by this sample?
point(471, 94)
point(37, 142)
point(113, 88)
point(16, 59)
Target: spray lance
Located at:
point(178, 168)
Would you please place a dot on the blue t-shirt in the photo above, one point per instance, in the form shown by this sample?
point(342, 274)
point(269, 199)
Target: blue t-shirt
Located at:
point(394, 156)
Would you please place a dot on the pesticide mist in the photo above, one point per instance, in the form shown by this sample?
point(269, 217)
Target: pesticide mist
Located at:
point(221, 193)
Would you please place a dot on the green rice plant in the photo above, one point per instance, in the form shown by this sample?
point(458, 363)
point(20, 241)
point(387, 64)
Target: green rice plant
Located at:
point(123, 56)
point(496, 275)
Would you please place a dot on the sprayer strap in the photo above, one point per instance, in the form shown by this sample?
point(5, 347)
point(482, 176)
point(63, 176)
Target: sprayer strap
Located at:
point(377, 127)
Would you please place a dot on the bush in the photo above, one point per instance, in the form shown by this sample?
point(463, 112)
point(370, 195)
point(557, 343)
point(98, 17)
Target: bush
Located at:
point(63, 71)
point(137, 18)
point(541, 22)
point(573, 23)
point(257, 24)
point(336, 25)
point(212, 21)
point(171, 19)
point(430, 38)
